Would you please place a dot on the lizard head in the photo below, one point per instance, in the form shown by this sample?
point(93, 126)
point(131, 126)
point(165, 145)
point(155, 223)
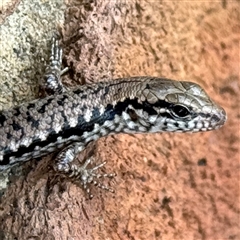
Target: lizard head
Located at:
point(174, 106)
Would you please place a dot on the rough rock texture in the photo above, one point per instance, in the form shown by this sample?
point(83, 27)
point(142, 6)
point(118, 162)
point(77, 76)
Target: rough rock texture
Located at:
point(24, 46)
point(6, 8)
point(169, 186)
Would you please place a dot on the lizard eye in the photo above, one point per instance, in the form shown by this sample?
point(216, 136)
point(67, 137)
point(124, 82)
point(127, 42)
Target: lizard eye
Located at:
point(180, 111)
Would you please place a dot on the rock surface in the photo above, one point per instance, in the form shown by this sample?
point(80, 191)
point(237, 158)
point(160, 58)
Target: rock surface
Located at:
point(169, 186)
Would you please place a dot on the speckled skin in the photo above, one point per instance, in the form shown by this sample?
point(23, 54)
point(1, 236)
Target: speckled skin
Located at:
point(140, 104)
point(68, 119)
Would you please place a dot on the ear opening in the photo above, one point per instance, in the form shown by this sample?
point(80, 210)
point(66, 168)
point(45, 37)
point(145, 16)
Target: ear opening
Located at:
point(133, 115)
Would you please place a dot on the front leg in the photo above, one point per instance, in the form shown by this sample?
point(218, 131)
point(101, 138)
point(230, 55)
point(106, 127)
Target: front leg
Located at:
point(51, 82)
point(81, 173)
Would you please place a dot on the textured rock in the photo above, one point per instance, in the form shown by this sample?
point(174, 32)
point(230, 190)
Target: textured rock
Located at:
point(169, 186)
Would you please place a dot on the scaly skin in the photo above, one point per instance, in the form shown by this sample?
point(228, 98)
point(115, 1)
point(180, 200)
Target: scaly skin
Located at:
point(69, 119)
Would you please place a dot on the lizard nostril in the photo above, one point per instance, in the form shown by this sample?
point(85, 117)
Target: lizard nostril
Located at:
point(220, 118)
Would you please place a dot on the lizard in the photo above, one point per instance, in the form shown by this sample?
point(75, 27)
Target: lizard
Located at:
point(67, 119)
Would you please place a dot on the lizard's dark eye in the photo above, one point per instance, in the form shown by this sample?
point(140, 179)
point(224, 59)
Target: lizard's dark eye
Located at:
point(180, 111)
